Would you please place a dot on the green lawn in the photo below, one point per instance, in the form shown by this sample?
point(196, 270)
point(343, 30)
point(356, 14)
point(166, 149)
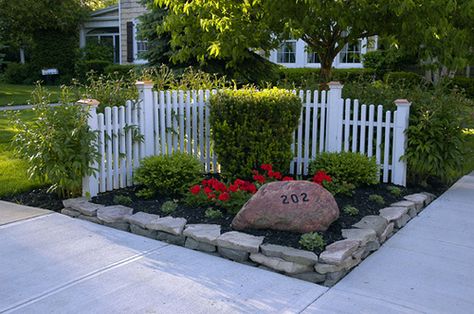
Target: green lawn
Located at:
point(13, 178)
point(20, 94)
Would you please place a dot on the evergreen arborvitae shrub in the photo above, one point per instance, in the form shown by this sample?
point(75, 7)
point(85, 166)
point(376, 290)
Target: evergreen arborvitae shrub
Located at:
point(251, 127)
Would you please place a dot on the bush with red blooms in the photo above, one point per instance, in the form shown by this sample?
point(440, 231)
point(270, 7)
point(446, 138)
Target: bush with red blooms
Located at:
point(232, 196)
point(333, 185)
point(268, 175)
point(321, 177)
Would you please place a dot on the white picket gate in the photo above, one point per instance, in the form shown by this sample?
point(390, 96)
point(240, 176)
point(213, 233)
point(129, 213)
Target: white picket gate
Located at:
point(168, 121)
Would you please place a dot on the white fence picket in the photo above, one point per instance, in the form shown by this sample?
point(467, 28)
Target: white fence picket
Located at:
point(347, 121)
point(101, 135)
point(128, 141)
point(386, 146)
point(181, 120)
point(108, 141)
point(370, 137)
point(122, 148)
point(363, 121)
point(208, 133)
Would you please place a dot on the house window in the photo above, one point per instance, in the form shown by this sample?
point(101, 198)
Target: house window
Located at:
point(351, 53)
point(286, 53)
point(140, 46)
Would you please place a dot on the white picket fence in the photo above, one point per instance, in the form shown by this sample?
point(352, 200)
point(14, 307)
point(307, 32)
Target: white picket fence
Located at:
point(168, 121)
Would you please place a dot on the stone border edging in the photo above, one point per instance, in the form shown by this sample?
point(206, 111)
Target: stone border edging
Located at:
point(328, 268)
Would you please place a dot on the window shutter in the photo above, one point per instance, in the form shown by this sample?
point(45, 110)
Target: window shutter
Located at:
point(129, 41)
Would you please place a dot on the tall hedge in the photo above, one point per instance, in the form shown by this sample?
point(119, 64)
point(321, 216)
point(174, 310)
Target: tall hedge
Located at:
point(252, 127)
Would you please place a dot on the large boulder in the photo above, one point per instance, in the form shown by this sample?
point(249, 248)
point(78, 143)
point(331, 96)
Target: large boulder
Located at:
point(298, 206)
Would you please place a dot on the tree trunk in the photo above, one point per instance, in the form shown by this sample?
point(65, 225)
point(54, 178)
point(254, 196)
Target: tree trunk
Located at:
point(326, 69)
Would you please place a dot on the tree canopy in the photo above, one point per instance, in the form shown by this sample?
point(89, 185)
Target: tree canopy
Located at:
point(233, 29)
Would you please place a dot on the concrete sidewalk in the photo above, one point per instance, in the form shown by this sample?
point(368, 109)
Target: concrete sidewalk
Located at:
point(56, 264)
point(427, 267)
point(52, 263)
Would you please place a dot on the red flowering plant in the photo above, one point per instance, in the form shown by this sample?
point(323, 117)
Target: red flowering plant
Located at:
point(331, 184)
point(230, 197)
point(268, 175)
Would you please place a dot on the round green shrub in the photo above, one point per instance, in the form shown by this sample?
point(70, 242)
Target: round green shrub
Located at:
point(168, 174)
point(253, 127)
point(348, 167)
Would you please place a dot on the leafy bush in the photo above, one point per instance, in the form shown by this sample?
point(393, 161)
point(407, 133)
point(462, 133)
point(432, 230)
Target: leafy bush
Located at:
point(347, 167)
point(252, 127)
point(378, 199)
point(404, 78)
point(58, 145)
point(120, 70)
point(109, 90)
point(122, 200)
point(168, 207)
point(213, 213)
point(338, 187)
point(311, 241)
point(168, 174)
point(309, 77)
point(350, 210)
point(464, 84)
point(383, 61)
point(17, 73)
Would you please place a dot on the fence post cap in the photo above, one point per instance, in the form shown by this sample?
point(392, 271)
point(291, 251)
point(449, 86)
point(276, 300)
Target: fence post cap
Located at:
point(335, 84)
point(402, 102)
point(145, 83)
point(89, 102)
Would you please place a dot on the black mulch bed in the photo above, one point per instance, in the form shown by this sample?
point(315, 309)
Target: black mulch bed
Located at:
point(360, 200)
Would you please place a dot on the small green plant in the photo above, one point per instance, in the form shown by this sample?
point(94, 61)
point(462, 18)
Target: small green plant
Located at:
point(169, 206)
point(58, 144)
point(213, 213)
point(337, 187)
point(311, 241)
point(350, 210)
point(378, 199)
point(350, 167)
point(394, 190)
point(168, 174)
point(122, 200)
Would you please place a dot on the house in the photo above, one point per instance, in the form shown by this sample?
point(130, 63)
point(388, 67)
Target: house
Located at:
point(117, 26)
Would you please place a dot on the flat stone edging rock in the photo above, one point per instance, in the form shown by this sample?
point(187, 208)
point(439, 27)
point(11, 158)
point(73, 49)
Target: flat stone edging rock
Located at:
point(328, 268)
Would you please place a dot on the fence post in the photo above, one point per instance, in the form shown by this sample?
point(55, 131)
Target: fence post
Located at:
point(145, 94)
point(90, 184)
point(334, 117)
point(399, 167)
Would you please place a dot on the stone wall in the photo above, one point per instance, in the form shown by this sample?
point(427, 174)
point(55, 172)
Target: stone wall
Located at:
point(329, 267)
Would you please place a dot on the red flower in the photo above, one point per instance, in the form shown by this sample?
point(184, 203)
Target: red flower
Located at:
point(259, 178)
point(287, 179)
point(239, 182)
point(320, 177)
point(266, 167)
point(277, 175)
point(224, 197)
point(211, 196)
point(195, 189)
point(233, 188)
point(250, 187)
point(204, 182)
point(207, 190)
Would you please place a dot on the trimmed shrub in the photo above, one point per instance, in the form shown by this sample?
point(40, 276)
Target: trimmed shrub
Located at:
point(168, 174)
point(465, 84)
point(311, 241)
point(309, 77)
point(121, 70)
point(251, 128)
point(403, 78)
point(348, 167)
